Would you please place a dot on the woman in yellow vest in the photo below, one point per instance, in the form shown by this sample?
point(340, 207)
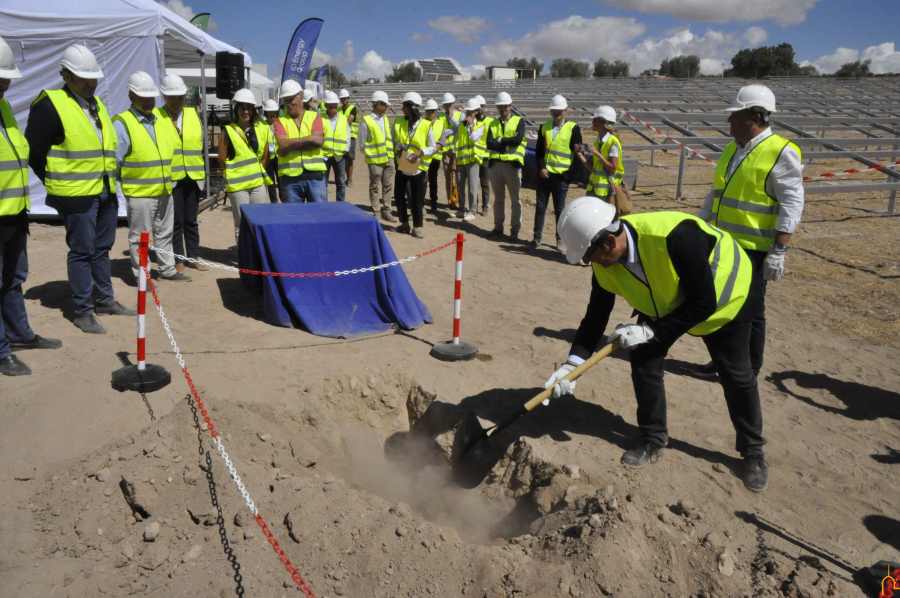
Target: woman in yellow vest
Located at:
point(336, 130)
point(244, 157)
point(449, 118)
point(606, 151)
point(681, 275)
point(414, 142)
point(467, 162)
point(437, 130)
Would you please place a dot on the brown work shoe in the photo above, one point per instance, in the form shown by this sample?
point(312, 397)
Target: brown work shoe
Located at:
point(196, 266)
point(386, 215)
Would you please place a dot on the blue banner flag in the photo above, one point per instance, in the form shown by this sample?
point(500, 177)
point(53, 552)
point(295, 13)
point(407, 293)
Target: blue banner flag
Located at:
point(321, 72)
point(300, 52)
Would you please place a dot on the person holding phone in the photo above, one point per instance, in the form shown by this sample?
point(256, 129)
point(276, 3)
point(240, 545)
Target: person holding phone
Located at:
point(603, 158)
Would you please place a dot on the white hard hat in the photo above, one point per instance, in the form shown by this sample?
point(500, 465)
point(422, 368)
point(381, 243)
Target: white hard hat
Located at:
point(8, 68)
point(607, 113)
point(244, 96)
point(331, 97)
point(558, 103)
point(448, 98)
point(308, 94)
point(173, 85)
point(503, 99)
point(81, 62)
point(270, 106)
point(290, 88)
point(412, 97)
point(480, 99)
point(431, 105)
point(380, 96)
point(472, 105)
point(344, 94)
point(581, 221)
point(142, 85)
point(753, 95)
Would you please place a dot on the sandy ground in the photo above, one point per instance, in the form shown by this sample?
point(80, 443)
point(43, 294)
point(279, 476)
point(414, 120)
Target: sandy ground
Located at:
point(305, 420)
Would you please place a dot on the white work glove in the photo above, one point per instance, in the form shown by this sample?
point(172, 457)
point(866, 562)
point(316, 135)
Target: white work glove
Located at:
point(705, 215)
point(560, 386)
point(773, 267)
point(631, 335)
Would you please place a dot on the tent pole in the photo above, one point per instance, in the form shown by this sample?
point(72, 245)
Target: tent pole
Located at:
point(201, 97)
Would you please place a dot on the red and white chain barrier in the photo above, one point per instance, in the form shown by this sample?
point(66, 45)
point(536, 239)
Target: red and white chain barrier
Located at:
point(827, 175)
point(457, 297)
point(306, 274)
point(295, 575)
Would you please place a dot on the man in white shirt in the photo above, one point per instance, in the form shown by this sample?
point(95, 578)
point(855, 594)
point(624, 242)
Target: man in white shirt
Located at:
point(757, 197)
point(380, 169)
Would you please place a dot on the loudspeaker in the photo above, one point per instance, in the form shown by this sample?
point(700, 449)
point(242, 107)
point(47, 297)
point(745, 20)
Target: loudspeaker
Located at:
point(229, 74)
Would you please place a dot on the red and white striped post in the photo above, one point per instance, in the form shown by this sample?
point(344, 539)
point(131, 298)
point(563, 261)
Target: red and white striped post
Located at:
point(143, 248)
point(456, 350)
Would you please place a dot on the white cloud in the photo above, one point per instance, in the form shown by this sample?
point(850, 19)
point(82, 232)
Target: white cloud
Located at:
point(473, 70)
point(885, 59)
point(419, 38)
point(464, 30)
point(784, 12)
point(372, 65)
point(186, 12)
point(712, 48)
point(342, 59)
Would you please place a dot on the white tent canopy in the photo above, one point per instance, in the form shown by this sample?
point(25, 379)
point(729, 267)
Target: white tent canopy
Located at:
point(124, 35)
point(258, 84)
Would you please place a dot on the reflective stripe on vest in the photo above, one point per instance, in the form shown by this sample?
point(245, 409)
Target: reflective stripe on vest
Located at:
point(419, 139)
point(76, 167)
point(481, 144)
point(499, 130)
point(379, 147)
point(451, 138)
point(662, 293)
point(353, 110)
point(336, 141)
point(244, 171)
point(263, 138)
point(437, 129)
point(147, 169)
point(466, 149)
point(557, 156)
point(741, 206)
point(598, 185)
point(294, 163)
point(14, 196)
point(187, 155)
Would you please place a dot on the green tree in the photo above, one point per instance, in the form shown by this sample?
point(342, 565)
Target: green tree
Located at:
point(524, 63)
point(860, 68)
point(568, 68)
point(681, 67)
point(807, 71)
point(335, 77)
point(765, 61)
point(405, 72)
point(606, 68)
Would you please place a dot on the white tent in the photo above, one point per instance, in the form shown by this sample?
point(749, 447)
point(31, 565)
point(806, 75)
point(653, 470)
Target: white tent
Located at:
point(258, 84)
point(124, 35)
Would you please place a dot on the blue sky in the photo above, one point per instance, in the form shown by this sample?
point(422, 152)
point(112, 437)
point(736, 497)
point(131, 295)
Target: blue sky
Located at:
point(367, 38)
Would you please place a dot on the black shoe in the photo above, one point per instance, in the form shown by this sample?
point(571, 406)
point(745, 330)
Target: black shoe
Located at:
point(38, 342)
point(114, 309)
point(497, 232)
point(756, 473)
point(90, 324)
point(532, 245)
point(12, 366)
point(642, 454)
point(514, 235)
point(707, 371)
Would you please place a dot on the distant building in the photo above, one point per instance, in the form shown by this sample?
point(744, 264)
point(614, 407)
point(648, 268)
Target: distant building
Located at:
point(508, 72)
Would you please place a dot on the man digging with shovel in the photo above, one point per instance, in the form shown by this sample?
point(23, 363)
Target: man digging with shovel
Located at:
point(681, 275)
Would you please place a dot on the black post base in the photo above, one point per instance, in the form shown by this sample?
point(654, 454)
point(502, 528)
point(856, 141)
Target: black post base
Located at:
point(153, 378)
point(447, 351)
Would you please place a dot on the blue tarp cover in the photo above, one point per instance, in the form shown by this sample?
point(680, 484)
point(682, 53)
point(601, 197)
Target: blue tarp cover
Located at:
point(326, 237)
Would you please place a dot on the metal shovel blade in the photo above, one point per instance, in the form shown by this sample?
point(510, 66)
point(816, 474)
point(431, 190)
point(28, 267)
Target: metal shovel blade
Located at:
point(477, 455)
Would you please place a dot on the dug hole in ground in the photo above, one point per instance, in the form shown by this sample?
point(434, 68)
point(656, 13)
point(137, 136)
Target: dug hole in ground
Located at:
point(344, 445)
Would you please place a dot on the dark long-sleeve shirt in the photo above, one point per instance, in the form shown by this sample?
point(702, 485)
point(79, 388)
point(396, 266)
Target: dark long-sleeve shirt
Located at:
point(13, 221)
point(689, 249)
point(501, 144)
point(540, 150)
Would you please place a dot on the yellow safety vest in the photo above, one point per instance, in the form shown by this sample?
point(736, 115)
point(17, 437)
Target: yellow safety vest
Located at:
point(557, 156)
point(76, 166)
point(187, 159)
point(336, 141)
point(244, 171)
point(741, 206)
point(14, 196)
point(437, 129)
point(451, 138)
point(466, 149)
point(481, 144)
point(598, 185)
point(264, 137)
point(419, 139)
point(379, 147)
point(662, 293)
point(294, 163)
point(353, 111)
point(498, 130)
point(147, 169)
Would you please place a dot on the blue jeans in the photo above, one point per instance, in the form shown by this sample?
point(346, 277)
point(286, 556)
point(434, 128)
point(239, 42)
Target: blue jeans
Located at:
point(309, 187)
point(90, 236)
point(340, 176)
point(558, 188)
point(13, 272)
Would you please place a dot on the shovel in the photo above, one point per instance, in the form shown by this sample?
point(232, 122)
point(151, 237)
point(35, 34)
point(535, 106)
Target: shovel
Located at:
point(478, 456)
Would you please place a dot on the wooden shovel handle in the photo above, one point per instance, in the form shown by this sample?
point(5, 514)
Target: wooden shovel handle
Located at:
point(588, 364)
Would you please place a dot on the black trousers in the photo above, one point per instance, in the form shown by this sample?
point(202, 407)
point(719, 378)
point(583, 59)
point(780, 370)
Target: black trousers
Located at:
point(729, 349)
point(758, 331)
point(414, 186)
point(272, 171)
point(433, 170)
point(485, 180)
point(186, 232)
